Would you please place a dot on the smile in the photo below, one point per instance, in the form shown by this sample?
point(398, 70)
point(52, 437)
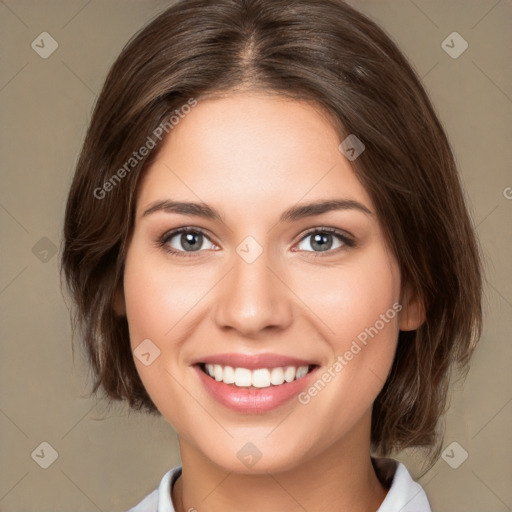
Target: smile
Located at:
point(256, 383)
point(258, 378)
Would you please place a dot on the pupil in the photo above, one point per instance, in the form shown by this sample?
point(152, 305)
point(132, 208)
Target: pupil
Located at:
point(323, 242)
point(187, 240)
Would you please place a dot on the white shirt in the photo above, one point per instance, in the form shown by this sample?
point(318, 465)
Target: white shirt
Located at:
point(404, 495)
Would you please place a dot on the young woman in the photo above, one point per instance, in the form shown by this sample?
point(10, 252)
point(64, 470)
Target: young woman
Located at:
point(267, 243)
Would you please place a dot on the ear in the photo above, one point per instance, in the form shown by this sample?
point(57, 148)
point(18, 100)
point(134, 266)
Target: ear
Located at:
point(118, 304)
point(413, 313)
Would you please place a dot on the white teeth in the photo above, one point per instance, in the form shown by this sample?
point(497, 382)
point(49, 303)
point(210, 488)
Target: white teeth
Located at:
point(289, 373)
point(277, 376)
point(217, 372)
point(259, 378)
point(228, 375)
point(242, 377)
point(301, 371)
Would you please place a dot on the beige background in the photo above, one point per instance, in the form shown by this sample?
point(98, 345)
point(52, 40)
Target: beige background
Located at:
point(108, 459)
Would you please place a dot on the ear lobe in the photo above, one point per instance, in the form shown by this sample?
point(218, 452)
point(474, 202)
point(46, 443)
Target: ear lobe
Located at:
point(118, 304)
point(413, 313)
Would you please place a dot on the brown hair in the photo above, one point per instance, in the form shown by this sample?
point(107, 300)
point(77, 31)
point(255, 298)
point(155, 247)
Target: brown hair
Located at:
point(321, 51)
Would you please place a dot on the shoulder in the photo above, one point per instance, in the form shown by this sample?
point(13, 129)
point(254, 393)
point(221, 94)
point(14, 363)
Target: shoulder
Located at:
point(404, 493)
point(159, 500)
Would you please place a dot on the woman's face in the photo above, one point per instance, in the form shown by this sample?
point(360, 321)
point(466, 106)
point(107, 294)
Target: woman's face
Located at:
point(260, 282)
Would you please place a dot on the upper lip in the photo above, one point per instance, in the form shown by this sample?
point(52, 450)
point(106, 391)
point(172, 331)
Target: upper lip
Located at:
point(253, 362)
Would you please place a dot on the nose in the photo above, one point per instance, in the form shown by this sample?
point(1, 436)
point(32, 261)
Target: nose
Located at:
point(253, 298)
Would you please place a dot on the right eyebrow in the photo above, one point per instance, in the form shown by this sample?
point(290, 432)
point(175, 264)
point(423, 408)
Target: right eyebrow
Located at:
point(185, 208)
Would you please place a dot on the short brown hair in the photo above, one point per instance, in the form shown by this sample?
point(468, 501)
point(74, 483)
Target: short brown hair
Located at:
point(321, 51)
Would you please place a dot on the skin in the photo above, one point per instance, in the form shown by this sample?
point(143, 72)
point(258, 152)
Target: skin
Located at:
point(251, 156)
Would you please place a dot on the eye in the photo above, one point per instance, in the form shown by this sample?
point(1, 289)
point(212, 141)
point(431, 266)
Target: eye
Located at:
point(189, 240)
point(185, 240)
point(325, 240)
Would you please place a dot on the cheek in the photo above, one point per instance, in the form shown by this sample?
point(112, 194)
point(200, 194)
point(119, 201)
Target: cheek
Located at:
point(156, 308)
point(157, 299)
point(153, 307)
point(350, 298)
point(357, 311)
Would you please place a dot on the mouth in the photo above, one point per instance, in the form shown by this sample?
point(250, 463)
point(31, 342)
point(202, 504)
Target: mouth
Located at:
point(258, 378)
point(255, 384)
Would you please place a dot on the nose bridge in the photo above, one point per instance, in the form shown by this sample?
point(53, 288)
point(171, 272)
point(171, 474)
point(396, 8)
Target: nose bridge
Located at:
point(252, 297)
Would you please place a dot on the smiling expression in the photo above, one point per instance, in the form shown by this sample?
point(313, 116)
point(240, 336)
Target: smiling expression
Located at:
point(259, 283)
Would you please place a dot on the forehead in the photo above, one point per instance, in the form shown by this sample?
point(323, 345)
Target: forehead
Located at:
point(250, 149)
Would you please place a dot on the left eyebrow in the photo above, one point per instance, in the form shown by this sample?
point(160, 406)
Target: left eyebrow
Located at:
point(292, 214)
point(317, 208)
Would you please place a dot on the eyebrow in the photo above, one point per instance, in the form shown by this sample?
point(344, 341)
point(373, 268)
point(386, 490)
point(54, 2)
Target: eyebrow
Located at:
point(292, 214)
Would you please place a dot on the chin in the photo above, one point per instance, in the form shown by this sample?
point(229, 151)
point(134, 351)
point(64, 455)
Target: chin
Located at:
point(243, 456)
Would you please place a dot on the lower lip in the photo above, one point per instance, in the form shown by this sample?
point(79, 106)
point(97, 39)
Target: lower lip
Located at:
point(253, 400)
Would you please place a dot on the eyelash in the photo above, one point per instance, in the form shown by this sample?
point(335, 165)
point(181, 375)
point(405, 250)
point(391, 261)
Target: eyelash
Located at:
point(347, 241)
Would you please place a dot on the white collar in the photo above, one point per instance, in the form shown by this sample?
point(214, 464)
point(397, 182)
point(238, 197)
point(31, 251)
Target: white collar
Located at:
point(404, 495)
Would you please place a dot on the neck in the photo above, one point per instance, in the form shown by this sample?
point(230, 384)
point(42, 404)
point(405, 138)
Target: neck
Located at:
point(340, 479)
